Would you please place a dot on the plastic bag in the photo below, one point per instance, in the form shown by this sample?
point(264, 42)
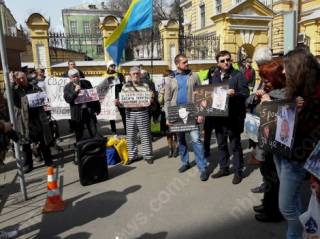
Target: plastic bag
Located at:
point(120, 144)
point(311, 218)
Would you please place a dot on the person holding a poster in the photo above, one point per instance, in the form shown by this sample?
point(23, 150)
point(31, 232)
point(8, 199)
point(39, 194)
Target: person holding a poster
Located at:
point(179, 91)
point(83, 113)
point(115, 79)
point(32, 122)
point(302, 86)
point(137, 119)
point(272, 88)
point(232, 126)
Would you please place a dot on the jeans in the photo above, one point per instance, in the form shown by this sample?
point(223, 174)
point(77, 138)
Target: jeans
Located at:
point(291, 175)
point(197, 149)
point(222, 134)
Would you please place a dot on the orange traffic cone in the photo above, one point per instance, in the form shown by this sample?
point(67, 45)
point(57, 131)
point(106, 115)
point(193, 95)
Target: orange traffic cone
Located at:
point(54, 201)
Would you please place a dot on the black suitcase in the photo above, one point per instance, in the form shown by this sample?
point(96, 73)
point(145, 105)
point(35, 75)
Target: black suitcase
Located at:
point(90, 155)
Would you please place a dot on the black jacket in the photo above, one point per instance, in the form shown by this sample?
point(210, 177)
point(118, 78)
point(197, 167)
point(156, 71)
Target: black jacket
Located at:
point(76, 109)
point(237, 103)
point(32, 123)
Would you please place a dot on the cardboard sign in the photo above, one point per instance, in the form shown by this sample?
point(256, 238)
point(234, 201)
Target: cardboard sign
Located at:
point(135, 99)
point(87, 95)
point(212, 100)
point(37, 99)
point(251, 126)
point(313, 162)
point(277, 126)
point(182, 118)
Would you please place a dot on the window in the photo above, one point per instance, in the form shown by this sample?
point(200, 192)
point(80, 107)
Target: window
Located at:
point(86, 27)
point(202, 16)
point(73, 27)
point(99, 50)
point(218, 6)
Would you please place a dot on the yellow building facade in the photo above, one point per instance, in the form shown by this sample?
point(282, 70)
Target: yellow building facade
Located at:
point(244, 25)
point(240, 25)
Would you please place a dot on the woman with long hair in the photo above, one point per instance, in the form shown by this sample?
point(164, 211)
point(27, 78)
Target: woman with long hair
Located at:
point(303, 86)
point(272, 87)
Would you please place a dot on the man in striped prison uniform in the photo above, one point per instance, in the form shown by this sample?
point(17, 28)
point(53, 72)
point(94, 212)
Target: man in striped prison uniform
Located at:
point(137, 119)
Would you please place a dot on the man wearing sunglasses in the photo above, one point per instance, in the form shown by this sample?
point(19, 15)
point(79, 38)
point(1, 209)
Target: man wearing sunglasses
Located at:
point(232, 126)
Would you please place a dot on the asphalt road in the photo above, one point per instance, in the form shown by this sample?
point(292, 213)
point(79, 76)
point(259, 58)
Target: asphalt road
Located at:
point(138, 201)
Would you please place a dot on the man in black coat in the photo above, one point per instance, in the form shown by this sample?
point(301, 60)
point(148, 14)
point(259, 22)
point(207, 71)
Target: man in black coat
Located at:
point(83, 113)
point(32, 121)
point(232, 126)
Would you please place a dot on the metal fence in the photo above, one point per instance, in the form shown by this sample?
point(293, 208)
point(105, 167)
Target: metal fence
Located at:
point(90, 45)
point(199, 47)
point(195, 47)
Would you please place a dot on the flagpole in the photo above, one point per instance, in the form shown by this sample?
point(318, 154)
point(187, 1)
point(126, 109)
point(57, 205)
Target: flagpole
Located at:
point(152, 36)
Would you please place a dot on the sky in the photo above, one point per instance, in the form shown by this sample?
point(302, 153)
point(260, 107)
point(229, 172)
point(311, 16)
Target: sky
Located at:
point(22, 9)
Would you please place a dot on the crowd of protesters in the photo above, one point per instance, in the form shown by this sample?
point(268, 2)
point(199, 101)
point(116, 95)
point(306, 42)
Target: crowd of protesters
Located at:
point(294, 77)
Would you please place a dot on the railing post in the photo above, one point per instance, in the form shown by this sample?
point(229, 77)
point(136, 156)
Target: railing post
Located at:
point(107, 26)
point(38, 27)
point(169, 31)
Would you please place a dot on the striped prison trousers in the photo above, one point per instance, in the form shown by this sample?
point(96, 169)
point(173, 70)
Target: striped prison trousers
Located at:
point(138, 121)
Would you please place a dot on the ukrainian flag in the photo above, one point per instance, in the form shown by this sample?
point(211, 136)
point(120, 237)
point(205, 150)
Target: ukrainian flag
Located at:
point(138, 17)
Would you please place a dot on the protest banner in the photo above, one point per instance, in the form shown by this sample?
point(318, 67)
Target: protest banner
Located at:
point(212, 100)
point(87, 95)
point(37, 99)
point(135, 99)
point(60, 109)
point(182, 118)
point(313, 162)
point(277, 126)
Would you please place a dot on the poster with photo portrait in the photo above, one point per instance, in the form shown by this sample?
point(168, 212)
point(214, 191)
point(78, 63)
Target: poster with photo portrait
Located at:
point(182, 118)
point(212, 100)
point(285, 124)
point(251, 126)
point(313, 162)
point(270, 133)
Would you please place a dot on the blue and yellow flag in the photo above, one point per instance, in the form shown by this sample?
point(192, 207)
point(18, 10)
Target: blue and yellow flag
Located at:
point(138, 17)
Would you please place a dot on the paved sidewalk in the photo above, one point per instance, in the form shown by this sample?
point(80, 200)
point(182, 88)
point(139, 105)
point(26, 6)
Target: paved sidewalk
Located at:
point(138, 201)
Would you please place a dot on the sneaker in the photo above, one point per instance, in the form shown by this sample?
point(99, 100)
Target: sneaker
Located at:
point(204, 176)
point(236, 179)
point(8, 235)
point(183, 168)
point(221, 173)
